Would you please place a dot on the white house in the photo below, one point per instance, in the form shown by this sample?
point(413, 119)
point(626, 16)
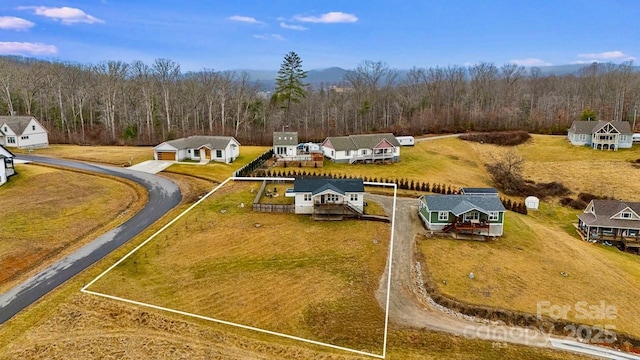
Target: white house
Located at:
point(285, 144)
point(327, 196)
point(199, 148)
point(601, 135)
point(406, 140)
point(366, 148)
point(6, 165)
point(22, 132)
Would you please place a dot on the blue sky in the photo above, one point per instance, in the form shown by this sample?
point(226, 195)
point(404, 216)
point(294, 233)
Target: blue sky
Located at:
point(255, 34)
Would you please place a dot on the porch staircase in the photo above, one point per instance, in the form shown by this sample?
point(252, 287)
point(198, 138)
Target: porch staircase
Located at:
point(449, 227)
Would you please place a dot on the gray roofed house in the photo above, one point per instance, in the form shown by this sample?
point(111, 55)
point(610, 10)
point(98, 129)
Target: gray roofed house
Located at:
point(611, 220)
point(199, 148)
point(365, 148)
point(22, 132)
point(285, 144)
point(328, 197)
point(601, 135)
point(465, 214)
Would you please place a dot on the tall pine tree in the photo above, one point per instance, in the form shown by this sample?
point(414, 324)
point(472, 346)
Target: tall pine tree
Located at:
point(289, 83)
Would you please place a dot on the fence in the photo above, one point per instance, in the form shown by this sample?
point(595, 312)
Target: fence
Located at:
point(274, 208)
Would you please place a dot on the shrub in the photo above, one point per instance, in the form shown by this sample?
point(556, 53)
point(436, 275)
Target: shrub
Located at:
point(505, 138)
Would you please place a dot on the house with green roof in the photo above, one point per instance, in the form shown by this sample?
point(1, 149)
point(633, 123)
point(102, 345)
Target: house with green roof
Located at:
point(199, 148)
point(319, 196)
point(601, 135)
point(366, 148)
point(24, 132)
point(474, 215)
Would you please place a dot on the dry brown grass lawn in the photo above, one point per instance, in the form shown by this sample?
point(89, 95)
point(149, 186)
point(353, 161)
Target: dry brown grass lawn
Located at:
point(524, 267)
point(289, 274)
point(115, 155)
point(48, 212)
point(67, 324)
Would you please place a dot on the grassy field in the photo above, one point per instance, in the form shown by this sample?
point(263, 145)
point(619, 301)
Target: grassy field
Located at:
point(524, 267)
point(48, 211)
point(68, 324)
point(218, 172)
point(115, 155)
point(288, 273)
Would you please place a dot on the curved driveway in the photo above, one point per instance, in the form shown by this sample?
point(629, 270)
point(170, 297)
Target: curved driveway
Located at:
point(164, 195)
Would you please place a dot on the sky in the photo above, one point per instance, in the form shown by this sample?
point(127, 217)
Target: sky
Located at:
point(256, 34)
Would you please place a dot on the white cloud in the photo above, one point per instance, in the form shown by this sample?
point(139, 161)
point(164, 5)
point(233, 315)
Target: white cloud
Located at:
point(244, 19)
point(530, 62)
point(292, 27)
point(22, 48)
point(14, 23)
point(65, 15)
point(269, 37)
point(606, 56)
point(328, 18)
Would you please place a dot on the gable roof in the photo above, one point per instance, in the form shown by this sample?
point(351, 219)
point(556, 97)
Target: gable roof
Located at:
point(460, 204)
point(590, 127)
point(4, 152)
point(478, 191)
point(285, 138)
point(198, 141)
point(317, 185)
point(363, 141)
point(603, 210)
point(17, 124)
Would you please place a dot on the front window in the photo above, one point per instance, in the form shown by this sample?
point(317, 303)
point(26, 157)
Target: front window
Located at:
point(364, 152)
point(443, 215)
point(353, 197)
point(332, 198)
point(11, 140)
point(306, 197)
point(347, 152)
point(493, 216)
point(472, 216)
point(218, 153)
point(25, 137)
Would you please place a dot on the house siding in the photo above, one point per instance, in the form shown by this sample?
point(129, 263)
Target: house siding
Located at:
point(301, 206)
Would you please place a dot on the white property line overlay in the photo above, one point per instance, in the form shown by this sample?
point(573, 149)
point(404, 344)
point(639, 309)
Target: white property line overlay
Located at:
point(386, 320)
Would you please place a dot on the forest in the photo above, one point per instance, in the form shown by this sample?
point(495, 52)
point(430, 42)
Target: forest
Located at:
point(116, 102)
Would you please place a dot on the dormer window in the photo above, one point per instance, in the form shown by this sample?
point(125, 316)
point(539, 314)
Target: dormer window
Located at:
point(625, 215)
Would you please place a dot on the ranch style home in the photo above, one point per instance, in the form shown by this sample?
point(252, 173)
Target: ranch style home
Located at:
point(479, 213)
point(611, 220)
point(367, 148)
point(199, 148)
point(6, 165)
point(285, 144)
point(601, 135)
point(24, 132)
point(327, 197)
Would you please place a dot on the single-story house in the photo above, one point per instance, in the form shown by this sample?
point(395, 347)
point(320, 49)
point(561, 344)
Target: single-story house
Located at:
point(464, 214)
point(327, 196)
point(22, 132)
point(199, 148)
point(6, 165)
point(285, 144)
point(611, 220)
point(365, 148)
point(601, 135)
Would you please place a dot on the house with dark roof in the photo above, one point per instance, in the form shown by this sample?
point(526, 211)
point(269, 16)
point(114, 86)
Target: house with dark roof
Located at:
point(285, 144)
point(199, 148)
point(367, 148)
point(475, 214)
point(320, 196)
point(611, 220)
point(6, 165)
point(601, 135)
point(24, 132)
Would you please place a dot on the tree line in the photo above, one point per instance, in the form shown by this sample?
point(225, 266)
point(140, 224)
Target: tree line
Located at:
point(116, 102)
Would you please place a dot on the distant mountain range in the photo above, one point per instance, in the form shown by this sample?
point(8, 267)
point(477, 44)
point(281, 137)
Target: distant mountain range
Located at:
point(335, 75)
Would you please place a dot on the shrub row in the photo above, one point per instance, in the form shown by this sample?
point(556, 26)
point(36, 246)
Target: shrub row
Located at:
point(248, 169)
point(403, 184)
point(503, 138)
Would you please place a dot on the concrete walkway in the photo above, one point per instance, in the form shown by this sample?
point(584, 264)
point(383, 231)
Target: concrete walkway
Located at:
point(151, 166)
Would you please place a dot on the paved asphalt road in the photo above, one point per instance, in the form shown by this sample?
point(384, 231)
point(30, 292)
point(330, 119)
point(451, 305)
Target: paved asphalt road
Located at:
point(164, 195)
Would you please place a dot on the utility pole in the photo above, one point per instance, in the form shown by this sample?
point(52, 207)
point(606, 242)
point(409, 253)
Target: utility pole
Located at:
point(635, 112)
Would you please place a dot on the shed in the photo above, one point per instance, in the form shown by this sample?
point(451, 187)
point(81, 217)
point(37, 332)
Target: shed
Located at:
point(532, 202)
